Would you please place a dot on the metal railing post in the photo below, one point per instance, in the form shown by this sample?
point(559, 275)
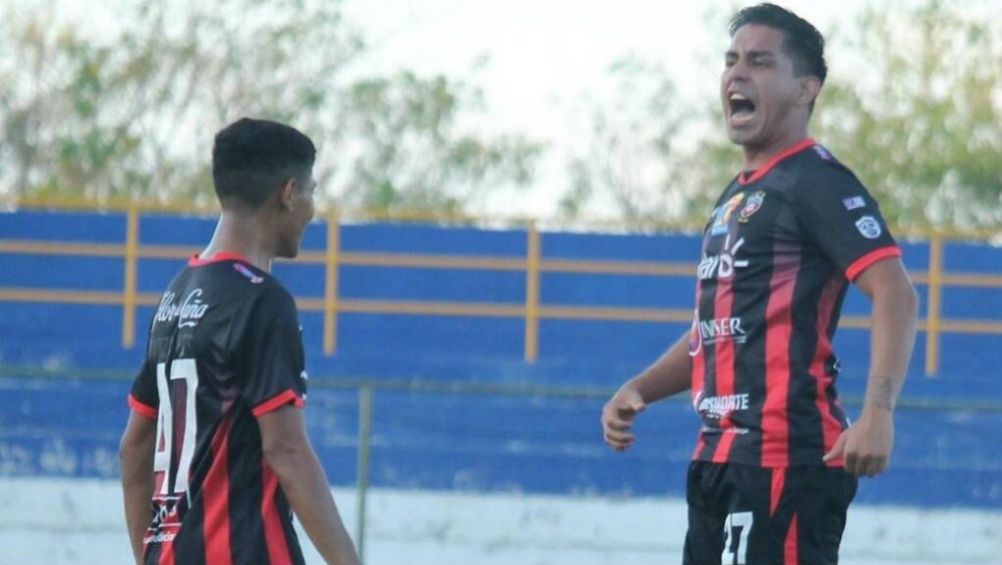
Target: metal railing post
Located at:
point(331, 261)
point(935, 289)
point(532, 294)
point(129, 285)
point(364, 453)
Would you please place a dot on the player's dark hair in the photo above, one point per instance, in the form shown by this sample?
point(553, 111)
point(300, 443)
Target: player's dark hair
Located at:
point(251, 158)
point(802, 42)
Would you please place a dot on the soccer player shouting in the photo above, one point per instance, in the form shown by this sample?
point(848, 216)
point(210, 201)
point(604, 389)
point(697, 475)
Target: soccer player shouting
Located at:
point(216, 434)
point(776, 461)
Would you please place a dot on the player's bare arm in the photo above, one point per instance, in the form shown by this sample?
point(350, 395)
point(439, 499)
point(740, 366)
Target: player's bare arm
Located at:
point(136, 455)
point(866, 445)
point(289, 453)
point(669, 375)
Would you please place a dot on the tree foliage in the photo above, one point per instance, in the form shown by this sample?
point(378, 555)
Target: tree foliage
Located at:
point(921, 122)
point(132, 115)
point(629, 167)
point(918, 117)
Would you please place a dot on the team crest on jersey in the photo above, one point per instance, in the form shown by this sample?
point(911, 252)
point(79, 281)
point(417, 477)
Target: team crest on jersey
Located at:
point(753, 205)
point(722, 215)
point(869, 227)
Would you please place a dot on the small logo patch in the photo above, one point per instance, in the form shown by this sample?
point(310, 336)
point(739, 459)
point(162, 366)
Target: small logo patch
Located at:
point(243, 270)
point(753, 205)
point(869, 227)
point(722, 215)
point(854, 203)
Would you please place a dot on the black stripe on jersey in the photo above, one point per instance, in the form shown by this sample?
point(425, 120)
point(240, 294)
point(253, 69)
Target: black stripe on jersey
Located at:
point(805, 429)
point(246, 526)
point(750, 358)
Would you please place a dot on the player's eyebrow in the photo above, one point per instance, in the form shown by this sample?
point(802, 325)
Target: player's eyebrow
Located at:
point(754, 53)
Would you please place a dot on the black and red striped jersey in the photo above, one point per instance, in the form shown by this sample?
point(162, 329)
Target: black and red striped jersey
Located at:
point(224, 348)
point(778, 253)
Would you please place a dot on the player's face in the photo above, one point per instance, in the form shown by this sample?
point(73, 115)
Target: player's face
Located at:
point(758, 89)
point(299, 214)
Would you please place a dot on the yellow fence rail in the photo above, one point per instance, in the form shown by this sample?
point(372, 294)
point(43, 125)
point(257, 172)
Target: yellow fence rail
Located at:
point(533, 265)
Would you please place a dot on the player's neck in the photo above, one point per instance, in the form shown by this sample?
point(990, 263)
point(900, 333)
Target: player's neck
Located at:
point(241, 234)
point(758, 155)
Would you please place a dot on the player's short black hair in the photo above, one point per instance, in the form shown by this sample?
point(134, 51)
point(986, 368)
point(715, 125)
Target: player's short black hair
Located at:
point(802, 41)
point(251, 158)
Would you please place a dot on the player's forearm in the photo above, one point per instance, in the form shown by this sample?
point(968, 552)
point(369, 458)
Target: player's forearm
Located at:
point(137, 484)
point(305, 485)
point(670, 374)
point(892, 338)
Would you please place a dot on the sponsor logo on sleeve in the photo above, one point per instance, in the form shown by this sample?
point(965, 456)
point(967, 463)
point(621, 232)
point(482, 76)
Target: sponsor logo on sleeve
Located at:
point(854, 203)
point(869, 227)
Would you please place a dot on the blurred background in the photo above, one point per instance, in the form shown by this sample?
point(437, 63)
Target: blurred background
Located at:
point(509, 200)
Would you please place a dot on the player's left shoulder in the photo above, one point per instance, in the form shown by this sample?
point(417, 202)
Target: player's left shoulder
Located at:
point(823, 176)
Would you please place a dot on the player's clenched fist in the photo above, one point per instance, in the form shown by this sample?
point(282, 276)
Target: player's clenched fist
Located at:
point(618, 415)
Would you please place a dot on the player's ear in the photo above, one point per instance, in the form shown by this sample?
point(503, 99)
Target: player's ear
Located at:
point(287, 194)
point(810, 87)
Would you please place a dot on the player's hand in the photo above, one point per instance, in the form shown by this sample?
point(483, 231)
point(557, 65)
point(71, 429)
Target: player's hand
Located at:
point(618, 415)
point(866, 446)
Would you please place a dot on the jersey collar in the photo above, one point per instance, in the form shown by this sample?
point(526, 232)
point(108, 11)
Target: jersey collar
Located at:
point(749, 177)
point(197, 261)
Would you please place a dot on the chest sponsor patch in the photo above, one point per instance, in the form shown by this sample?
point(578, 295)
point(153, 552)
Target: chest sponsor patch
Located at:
point(722, 215)
point(869, 227)
point(753, 205)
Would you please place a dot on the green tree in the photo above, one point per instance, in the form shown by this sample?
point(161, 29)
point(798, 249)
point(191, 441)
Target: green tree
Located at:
point(131, 116)
point(630, 166)
point(921, 122)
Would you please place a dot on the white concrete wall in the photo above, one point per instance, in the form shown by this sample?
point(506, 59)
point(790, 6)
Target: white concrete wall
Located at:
point(79, 522)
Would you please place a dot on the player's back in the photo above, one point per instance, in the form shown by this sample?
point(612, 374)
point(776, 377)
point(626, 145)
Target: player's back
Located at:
point(224, 347)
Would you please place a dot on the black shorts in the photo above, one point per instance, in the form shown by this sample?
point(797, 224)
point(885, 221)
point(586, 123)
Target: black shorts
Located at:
point(748, 515)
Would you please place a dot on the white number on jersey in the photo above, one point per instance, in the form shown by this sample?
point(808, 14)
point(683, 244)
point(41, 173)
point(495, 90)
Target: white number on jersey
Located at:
point(180, 370)
point(736, 530)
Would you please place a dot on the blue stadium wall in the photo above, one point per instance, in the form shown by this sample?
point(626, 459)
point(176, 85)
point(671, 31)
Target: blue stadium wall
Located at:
point(948, 452)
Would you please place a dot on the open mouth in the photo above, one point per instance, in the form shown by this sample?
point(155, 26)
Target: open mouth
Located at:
point(741, 107)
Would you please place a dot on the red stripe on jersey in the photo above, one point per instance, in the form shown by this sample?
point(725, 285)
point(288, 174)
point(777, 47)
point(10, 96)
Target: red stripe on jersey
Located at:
point(864, 262)
point(723, 306)
point(142, 409)
point(197, 261)
point(746, 178)
point(287, 396)
point(776, 489)
point(700, 445)
point(779, 329)
point(790, 546)
point(697, 374)
point(831, 428)
point(167, 553)
point(274, 533)
point(216, 493)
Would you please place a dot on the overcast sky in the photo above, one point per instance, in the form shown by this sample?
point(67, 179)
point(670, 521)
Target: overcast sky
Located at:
point(543, 64)
point(545, 59)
